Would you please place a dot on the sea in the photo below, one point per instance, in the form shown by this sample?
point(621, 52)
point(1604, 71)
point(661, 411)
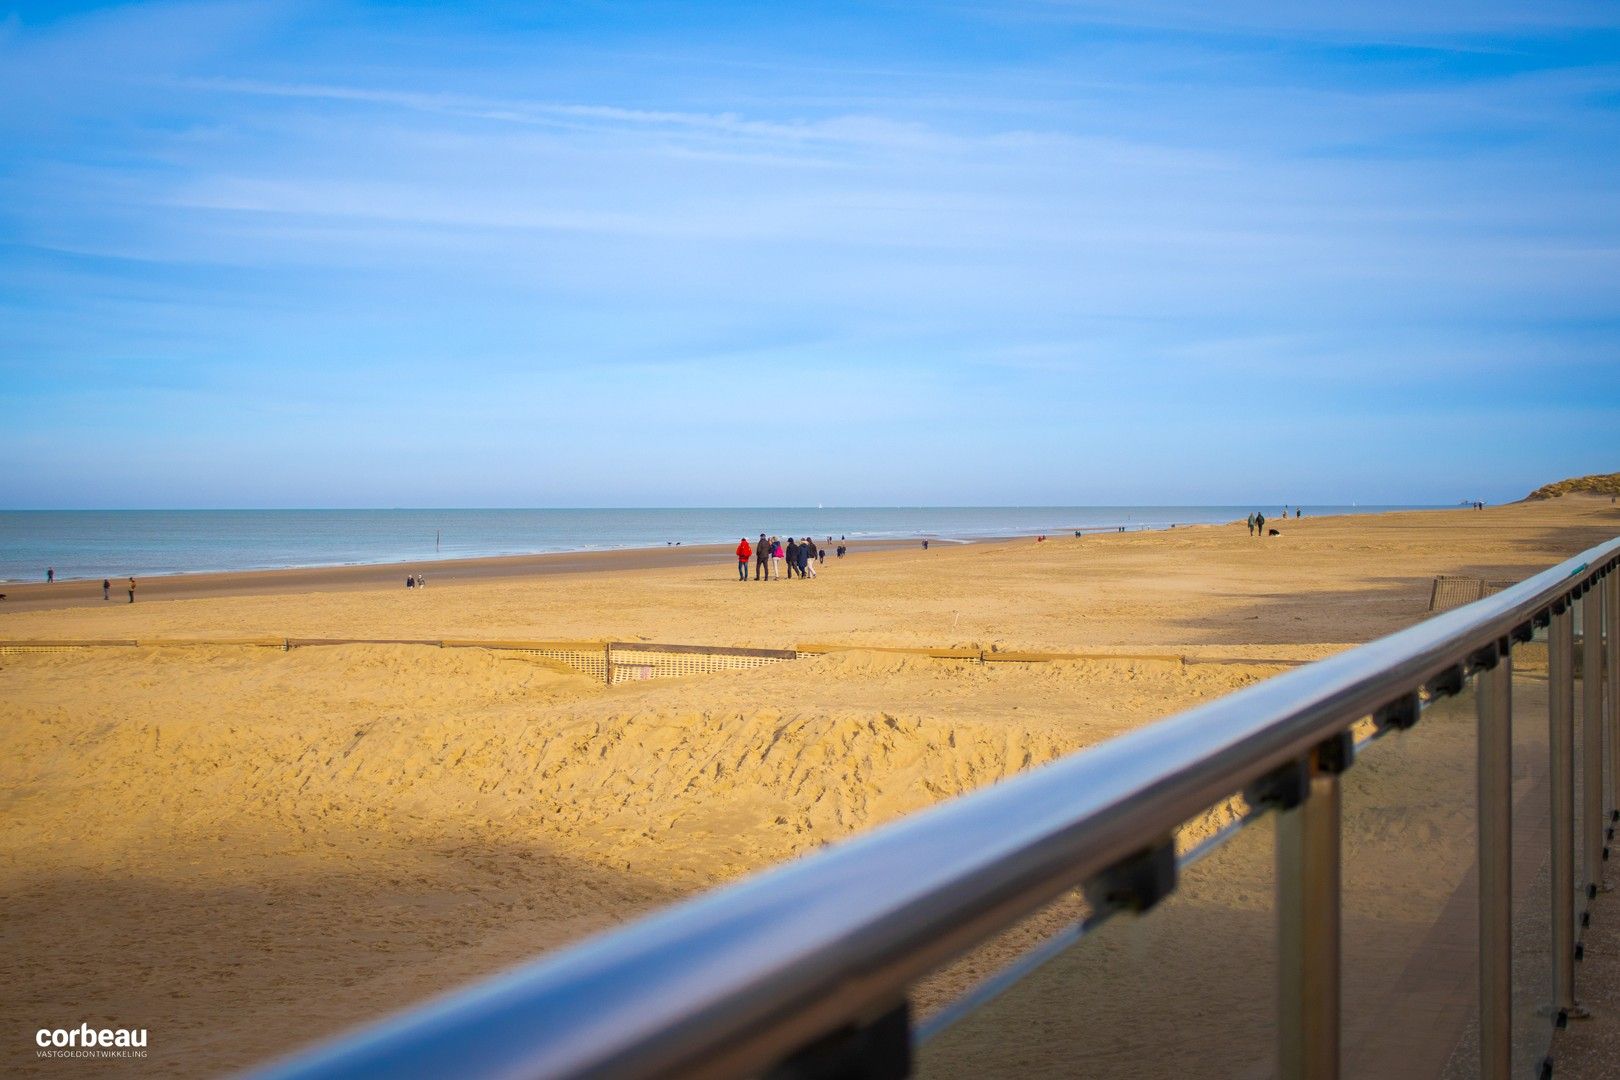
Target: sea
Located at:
point(145, 543)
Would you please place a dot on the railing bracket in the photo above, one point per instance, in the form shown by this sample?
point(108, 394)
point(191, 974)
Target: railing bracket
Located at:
point(1335, 755)
point(1283, 788)
point(1484, 659)
point(1400, 714)
point(1135, 883)
point(1448, 682)
point(880, 1050)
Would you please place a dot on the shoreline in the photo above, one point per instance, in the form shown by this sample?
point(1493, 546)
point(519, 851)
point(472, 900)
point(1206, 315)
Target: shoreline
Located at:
point(26, 567)
point(276, 580)
point(354, 577)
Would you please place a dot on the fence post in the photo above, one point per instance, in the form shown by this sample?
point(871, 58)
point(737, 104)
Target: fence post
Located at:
point(1495, 793)
point(1308, 923)
point(1611, 681)
point(1561, 740)
point(1592, 736)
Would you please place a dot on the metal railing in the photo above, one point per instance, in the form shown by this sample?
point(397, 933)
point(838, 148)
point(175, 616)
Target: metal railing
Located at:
point(805, 970)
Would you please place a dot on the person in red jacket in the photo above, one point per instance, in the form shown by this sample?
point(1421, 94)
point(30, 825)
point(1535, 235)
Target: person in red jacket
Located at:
point(744, 552)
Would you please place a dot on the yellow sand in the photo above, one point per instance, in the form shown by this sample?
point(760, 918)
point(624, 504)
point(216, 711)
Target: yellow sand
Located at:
point(243, 849)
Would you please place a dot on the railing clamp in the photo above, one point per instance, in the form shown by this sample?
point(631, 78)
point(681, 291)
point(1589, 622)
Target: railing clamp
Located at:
point(1447, 683)
point(879, 1050)
point(1283, 788)
point(1400, 714)
point(1136, 882)
point(1523, 632)
point(1483, 659)
point(1335, 754)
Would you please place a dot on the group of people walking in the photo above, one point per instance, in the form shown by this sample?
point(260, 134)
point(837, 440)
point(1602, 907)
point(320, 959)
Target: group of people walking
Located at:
point(1257, 521)
point(106, 589)
point(769, 555)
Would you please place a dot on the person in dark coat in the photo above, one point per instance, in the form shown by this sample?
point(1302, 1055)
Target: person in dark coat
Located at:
point(762, 559)
point(792, 556)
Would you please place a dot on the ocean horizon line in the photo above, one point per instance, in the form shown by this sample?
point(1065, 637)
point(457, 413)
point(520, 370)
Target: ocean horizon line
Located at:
point(738, 506)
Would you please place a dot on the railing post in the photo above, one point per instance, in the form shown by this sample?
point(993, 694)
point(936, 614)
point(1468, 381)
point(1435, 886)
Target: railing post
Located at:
point(1611, 682)
point(1561, 741)
point(1592, 729)
point(1308, 923)
point(1495, 793)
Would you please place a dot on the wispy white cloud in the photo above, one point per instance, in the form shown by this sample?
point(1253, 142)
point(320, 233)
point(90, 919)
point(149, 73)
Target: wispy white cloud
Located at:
point(1006, 228)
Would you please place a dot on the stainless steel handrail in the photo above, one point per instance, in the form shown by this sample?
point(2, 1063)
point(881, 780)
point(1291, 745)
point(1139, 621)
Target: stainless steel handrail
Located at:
point(737, 979)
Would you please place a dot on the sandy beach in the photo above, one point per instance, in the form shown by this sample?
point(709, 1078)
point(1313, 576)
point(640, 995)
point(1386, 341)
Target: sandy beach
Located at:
point(243, 849)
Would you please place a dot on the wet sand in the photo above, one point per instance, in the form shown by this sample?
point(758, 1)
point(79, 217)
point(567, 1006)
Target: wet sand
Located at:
point(41, 596)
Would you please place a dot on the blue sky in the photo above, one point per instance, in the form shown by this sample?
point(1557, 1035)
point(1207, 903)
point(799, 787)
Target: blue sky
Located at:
point(1034, 251)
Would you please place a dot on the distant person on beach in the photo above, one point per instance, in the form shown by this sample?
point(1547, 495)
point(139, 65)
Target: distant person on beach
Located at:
point(106, 589)
point(421, 582)
point(925, 545)
point(132, 590)
point(792, 555)
point(807, 558)
point(1260, 524)
point(410, 581)
point(776, 557)
point(1251, 524)
point(762, 560)
point(745, 552)
point(821, 553)
point(1297, 513)
point(50, 575)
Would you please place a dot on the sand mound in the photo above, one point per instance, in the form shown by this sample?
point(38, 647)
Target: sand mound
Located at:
point(258, 847)
point(1596, 484)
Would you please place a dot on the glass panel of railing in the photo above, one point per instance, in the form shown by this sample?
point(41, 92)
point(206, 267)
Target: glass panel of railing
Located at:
point(1185, 990)
point(1410, 899)
point(1578, 742)
point(1532, 869)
